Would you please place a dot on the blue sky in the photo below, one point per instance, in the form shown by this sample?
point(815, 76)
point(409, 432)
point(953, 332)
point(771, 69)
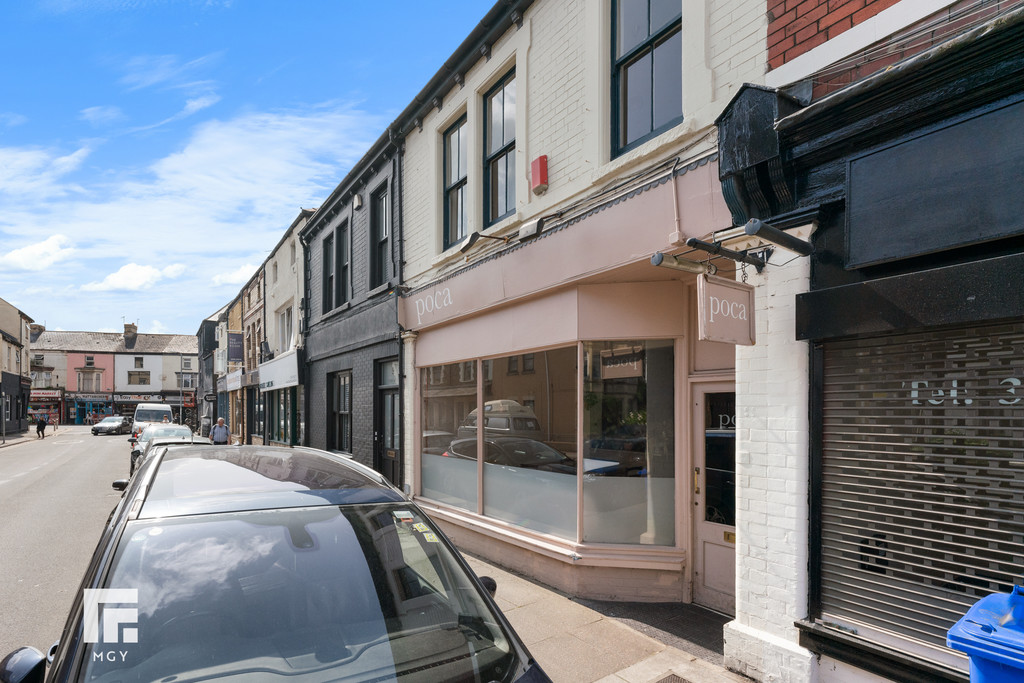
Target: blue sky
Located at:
point(152, 152)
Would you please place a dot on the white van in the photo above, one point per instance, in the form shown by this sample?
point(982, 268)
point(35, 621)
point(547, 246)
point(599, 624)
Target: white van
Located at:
point(503, 417)
point(148, 413)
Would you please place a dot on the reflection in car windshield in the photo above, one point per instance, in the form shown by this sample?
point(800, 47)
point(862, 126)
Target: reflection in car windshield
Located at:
point(151, 432)
point(356, 592)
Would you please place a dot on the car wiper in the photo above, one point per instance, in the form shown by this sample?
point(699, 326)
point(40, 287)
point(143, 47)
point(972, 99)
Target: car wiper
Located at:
point(473, 625)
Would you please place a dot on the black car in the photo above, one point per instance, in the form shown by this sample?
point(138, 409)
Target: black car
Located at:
point(257, 563)
point(114, 424)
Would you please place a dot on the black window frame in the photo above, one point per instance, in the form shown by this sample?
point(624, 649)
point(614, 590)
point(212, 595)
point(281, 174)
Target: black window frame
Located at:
point(343, 265)
point(458, 186)
point(379, 236)
point(620, 63)
point(339, 416)
point(506, 152)
point(327, 274)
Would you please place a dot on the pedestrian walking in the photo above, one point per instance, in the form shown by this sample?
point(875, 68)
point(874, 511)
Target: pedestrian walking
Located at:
point(41, 426)
point(219, 433)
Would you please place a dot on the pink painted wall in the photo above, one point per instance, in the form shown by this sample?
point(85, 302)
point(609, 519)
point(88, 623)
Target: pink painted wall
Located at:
point(101, 361)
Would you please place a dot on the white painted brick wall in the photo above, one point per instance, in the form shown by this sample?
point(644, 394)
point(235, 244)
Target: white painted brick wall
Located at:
point(772, 477)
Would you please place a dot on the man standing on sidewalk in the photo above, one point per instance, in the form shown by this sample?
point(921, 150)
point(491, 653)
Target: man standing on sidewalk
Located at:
point(219, 433)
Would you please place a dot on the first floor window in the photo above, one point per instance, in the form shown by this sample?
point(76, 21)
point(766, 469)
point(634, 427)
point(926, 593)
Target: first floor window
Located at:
point(647, 75)
point(455, 217)
point(340, 412)
point(500, 147)
point(136, 377)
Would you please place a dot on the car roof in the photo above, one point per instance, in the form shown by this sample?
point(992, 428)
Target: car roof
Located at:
point(191, 480)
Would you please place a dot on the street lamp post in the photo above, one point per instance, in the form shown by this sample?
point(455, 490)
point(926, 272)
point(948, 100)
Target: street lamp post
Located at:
point(181, 390)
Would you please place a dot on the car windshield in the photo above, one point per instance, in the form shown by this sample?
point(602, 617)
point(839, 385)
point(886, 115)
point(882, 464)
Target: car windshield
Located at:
point(143, 415)
point(110, 420)
point(343, 593)
point(168, 430)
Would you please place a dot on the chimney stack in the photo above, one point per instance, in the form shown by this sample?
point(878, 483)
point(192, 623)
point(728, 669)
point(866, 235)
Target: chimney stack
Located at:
point(130, 329)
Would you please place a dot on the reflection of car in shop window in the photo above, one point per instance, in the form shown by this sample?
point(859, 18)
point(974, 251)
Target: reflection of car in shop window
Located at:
point(503, 417)
point(624, 447)
point(527, 453)
point(436, 442)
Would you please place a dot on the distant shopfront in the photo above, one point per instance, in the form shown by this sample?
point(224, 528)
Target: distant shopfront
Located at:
point(49, 402)
point(280, 396)
point(85, 408)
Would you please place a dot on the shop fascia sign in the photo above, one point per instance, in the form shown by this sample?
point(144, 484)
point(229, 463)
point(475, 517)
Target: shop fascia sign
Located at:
point(725, 310)
point(279, 373)
point(139, 398)
point(39, 394)
point(233, 381)
point(92, 397)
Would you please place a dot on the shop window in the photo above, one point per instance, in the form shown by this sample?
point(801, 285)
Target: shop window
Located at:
point(531, 455)
point(500, 148)
point(258, 413)
point(629, 442)
point(647, 90)
point(455, 166)
point(446, 475)
point(339, 419)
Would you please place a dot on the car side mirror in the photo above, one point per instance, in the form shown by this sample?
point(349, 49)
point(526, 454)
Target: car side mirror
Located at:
point(132, 440)
point(490, 584)
point(24, 665)
point(119, 484)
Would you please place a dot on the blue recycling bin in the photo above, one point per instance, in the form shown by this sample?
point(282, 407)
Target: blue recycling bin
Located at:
point(992, 635)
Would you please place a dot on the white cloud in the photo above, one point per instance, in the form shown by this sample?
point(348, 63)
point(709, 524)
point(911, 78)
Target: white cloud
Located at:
point(10, 119)
point(100, 116)
point(235, 277)
point(40, 255)
point(130, 277)
point(174, 270)
point(157, 327)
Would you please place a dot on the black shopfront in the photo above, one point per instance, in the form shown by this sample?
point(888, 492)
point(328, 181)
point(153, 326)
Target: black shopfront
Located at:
point(914, 320)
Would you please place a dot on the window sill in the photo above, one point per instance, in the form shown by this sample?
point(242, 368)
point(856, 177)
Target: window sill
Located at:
point(874, 658)
point(626, 556)
point(452, 253)
point(379, 289)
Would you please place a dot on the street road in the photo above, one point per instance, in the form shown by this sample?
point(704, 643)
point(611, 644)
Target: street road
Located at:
point(55, 498)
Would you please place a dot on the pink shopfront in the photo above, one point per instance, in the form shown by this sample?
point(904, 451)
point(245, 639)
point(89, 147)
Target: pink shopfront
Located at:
point(572, 364)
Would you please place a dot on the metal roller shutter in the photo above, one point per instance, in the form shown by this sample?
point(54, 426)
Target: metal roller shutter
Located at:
point(922, 498)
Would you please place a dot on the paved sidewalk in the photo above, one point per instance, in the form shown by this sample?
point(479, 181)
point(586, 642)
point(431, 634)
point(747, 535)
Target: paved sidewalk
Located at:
point(576, 643)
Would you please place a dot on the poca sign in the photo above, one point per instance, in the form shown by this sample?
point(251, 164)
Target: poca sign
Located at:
point(725, 310)
point(737, 310)
point(432, 302)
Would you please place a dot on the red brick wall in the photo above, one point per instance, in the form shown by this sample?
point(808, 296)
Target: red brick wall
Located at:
point(796, 26)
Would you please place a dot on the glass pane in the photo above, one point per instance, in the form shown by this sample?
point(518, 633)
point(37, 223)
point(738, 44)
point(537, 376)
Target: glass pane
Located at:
point(509, 133)
point(447, 476)
point(629, 443)
point(636, 100)
point(462, 152)
point(496, 118)
point(632, 24)
point(531, 452)
point(668, 80)
point(389, 373)
point(510, 181)
point(664, 11)
point(720, 458)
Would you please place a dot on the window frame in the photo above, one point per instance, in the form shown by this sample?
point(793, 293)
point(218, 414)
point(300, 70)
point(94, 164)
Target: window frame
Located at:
point(340, 413)
point(619, 64)
point(380, 236)
point(343, 264)
point(327, 274)
point(459, 185)
point(506, 151)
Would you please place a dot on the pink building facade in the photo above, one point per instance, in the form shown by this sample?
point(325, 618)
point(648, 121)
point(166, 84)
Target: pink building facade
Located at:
point(90, 387)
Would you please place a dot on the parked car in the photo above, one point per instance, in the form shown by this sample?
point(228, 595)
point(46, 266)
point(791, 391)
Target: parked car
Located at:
point(266, 563)
point(139, 442)
point(159, 442)
point(114, 424)
point(512, 451)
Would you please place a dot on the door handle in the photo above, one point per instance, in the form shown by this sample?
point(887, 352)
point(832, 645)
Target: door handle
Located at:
point(696, 481)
